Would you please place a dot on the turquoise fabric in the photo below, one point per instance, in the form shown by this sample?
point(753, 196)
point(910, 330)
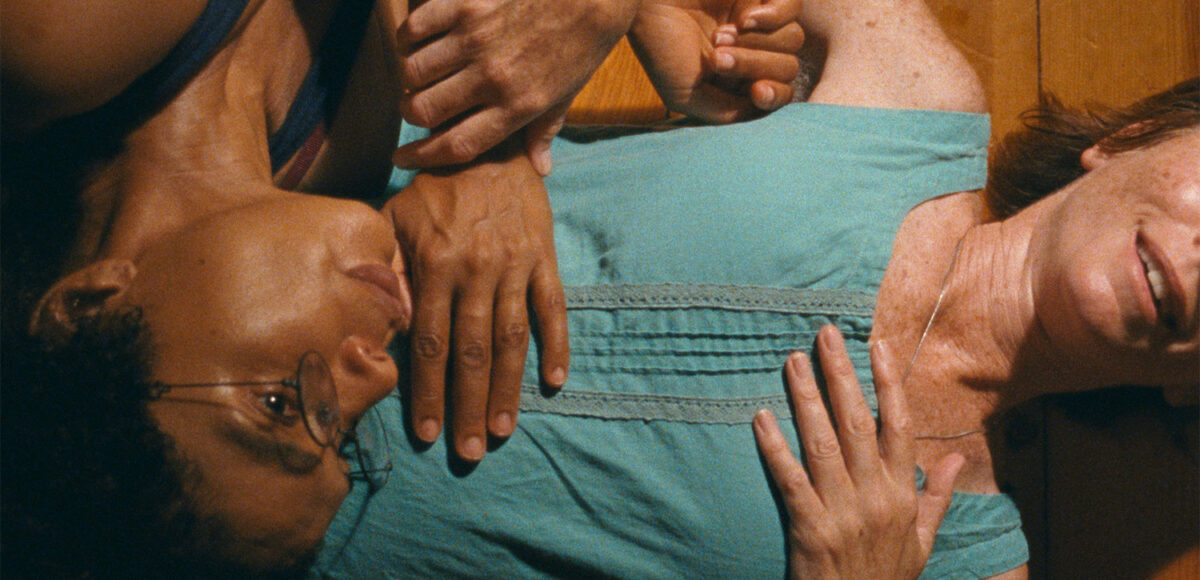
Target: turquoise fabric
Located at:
point(695, 260)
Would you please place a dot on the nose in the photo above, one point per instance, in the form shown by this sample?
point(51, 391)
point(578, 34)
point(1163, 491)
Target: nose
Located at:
point(364, 375)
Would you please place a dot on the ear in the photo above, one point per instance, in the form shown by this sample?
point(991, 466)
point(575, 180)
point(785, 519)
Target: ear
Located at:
point(1094, 157)
point(364, 373)
point(79, 295)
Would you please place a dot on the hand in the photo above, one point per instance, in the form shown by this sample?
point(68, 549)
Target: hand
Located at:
point(856, 512)
point(477, 242)
point(720, 60)
point(479, 70)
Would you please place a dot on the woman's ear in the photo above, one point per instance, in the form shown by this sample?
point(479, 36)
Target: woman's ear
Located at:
point(79, 295)
point(1093, 157)
point(1098, 154)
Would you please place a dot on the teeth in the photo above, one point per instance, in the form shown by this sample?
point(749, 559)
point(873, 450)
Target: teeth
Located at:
point(1158, 283)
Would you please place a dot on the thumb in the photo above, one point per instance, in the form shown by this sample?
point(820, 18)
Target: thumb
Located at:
point(540, 133)
point(935, 500)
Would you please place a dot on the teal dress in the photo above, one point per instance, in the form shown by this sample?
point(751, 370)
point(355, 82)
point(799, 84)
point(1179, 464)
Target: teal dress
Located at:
point(694, 261)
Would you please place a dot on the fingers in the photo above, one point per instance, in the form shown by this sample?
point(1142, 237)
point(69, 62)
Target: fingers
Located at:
point(429, 350)
point(770, 95)
point(856, 425)
point(787, 473)
point(770, 15)
point(431, 18)
point(823, 453)
point(896, 440)
point(935, 500)
point(540, 133)
point(436, 104)
point(459, 144)
point(510, 343)
point(733, 61)
point(550, 308)
point(471, 369)
point(432, 62)
point(786, 40)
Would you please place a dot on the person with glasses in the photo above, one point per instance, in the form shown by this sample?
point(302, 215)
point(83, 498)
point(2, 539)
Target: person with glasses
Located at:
point(169, 431)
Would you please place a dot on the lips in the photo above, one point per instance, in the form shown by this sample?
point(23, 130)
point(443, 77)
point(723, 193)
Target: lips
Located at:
point(1163, 284)
point(385, 286)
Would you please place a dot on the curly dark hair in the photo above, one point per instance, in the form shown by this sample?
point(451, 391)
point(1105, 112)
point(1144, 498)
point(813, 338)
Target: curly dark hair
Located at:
point(92, 488)
point(1043, 157)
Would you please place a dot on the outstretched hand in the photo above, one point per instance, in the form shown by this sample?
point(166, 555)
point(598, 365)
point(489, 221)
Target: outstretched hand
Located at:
point(479, 248)
point(720, 60)
point(476, 71)
point(855, 512)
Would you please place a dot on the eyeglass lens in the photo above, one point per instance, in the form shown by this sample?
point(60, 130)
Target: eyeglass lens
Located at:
point(322, 413)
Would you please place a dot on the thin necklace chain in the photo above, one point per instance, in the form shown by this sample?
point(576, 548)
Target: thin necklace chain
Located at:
point(937, 306)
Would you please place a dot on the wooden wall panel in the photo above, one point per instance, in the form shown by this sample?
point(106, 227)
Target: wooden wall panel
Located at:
point(619, 93)
point(1114, 51)
point(1000, 40)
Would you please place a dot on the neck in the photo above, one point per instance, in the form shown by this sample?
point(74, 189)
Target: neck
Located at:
point(988, 338)
point(203, 153)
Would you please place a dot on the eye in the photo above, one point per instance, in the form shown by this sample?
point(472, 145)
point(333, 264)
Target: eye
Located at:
point(281, 405)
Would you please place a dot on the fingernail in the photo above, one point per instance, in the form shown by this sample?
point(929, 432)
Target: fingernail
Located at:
point(749, 22)
point(504, 424)
point(473, 448)
point(768, 95)
point(558, 377)
point(723, 38)
point(542, 163)
point(428, 431)
point(760, 418)
point(724, 61)
point(797, 362)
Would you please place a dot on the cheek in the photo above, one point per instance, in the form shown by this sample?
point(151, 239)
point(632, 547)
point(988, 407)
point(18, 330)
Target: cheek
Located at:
point(1077, 305)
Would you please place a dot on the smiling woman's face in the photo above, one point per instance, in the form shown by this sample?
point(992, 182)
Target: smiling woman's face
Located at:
point(1116, 273)
point(240, 297)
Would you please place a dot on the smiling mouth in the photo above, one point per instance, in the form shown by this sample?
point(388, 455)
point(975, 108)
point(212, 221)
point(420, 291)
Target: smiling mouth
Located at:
point(1159, 282)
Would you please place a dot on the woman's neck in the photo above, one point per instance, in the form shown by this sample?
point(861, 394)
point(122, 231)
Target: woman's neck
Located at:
point(958, 308)
point(206, 151)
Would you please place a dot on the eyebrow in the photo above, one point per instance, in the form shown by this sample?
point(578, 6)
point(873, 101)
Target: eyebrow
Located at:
point(270, 450)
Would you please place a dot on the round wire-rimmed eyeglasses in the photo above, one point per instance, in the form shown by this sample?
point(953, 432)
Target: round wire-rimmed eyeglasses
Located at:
point(317, 402)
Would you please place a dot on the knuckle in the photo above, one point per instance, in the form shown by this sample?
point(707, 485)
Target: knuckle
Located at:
point(421, 111)
point(514, 335)
point(500, 77)
point(411, 72)
point(555, 298)
point(473, 354)
point(901, 426)
point(878, 511)
point(791, 484)
point(485, 257)
point(461, 148)
point(434, 258)
point(475, 10)
point(428, 346)
point(529, 103)
point(861, 423)
point(825, 447)
point(818, 539)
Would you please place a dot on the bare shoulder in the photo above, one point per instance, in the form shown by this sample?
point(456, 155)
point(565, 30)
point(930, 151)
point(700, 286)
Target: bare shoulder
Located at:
point(921, 252)
point(63, 58)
